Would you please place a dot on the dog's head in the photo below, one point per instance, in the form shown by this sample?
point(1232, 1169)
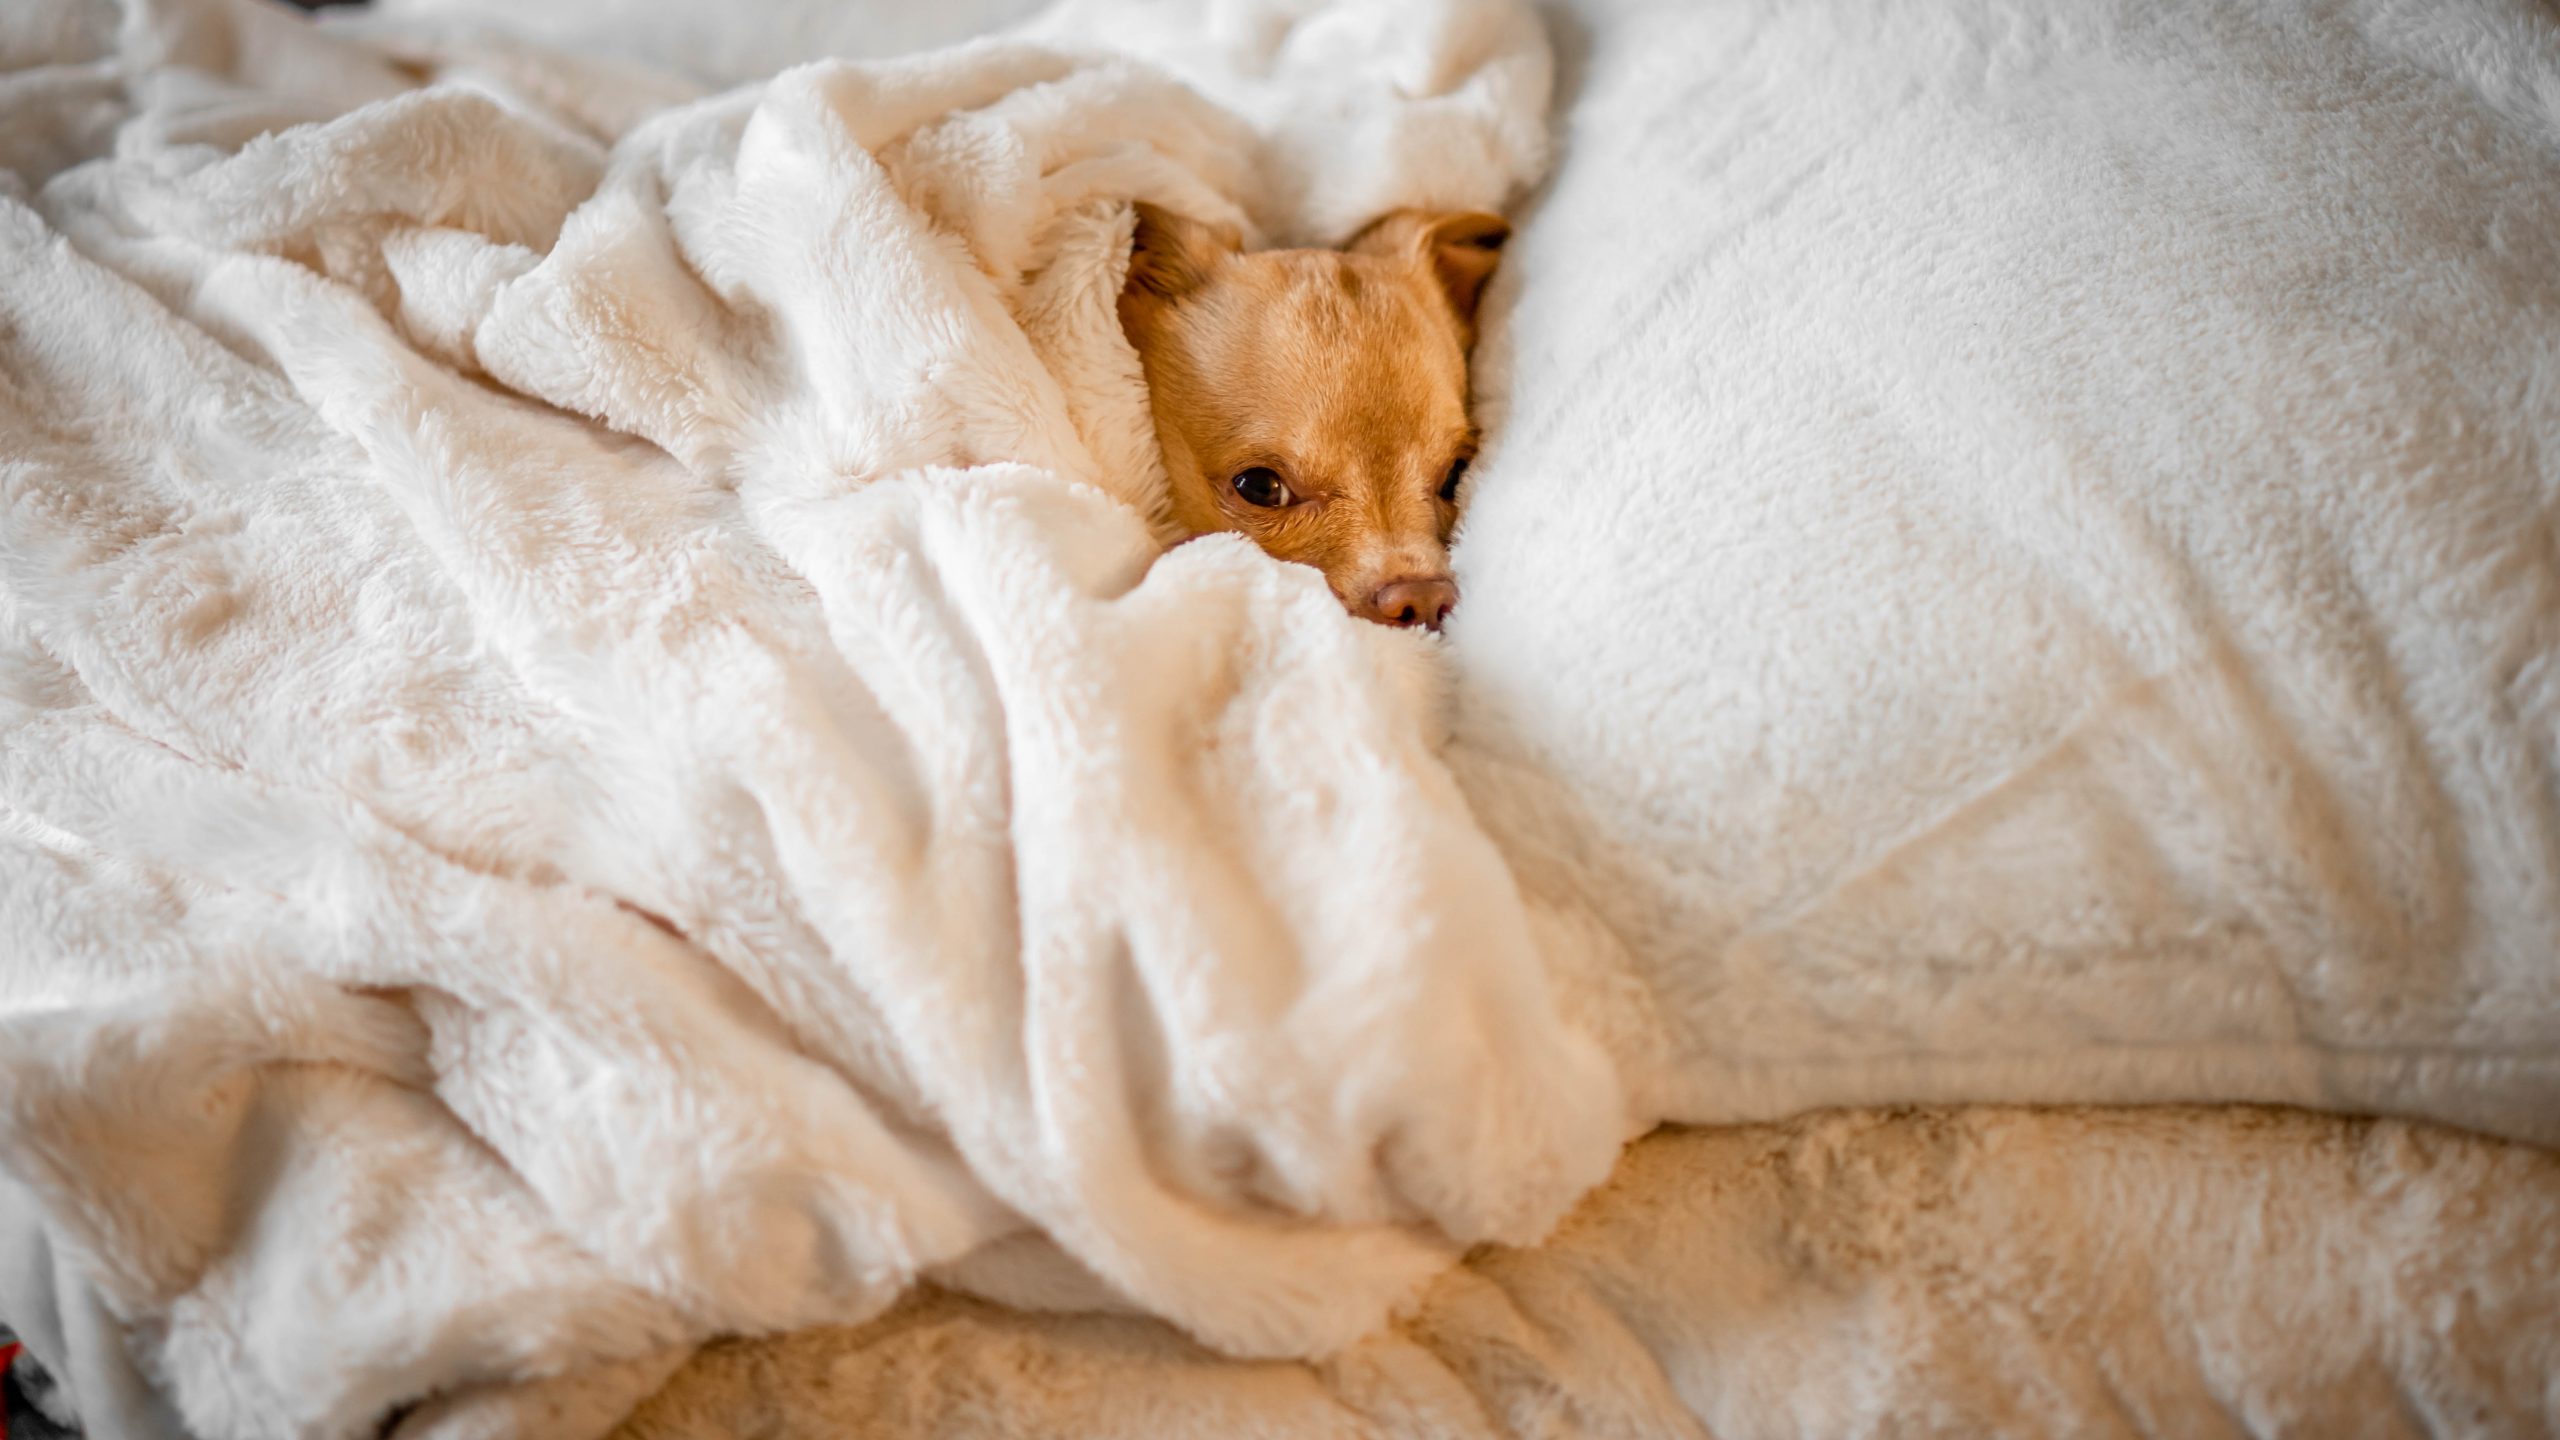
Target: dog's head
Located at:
point(1316, 400)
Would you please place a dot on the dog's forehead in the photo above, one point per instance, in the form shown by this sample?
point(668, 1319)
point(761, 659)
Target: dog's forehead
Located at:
point(1343, 348)
point(1344, 296)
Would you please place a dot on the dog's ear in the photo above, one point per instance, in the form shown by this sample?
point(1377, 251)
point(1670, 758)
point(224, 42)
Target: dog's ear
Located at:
point(1461, 247)
point(1172, 254)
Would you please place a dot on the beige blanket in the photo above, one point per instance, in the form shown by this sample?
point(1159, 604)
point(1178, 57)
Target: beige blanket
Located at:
point(2166, 1272)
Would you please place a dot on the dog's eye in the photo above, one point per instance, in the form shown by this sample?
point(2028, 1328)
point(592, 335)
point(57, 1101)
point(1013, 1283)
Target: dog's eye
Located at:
point(1449, 483)
point(1264, 487)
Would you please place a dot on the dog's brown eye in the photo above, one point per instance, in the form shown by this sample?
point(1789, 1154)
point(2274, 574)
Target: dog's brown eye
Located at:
point(1449, 483)
point(1264, 487)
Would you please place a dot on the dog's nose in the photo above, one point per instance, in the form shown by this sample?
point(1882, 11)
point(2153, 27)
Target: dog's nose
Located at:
point(1422, 601)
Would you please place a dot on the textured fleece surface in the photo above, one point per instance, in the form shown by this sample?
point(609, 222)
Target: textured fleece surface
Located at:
point(1985, 1271)
point(2020, 555)
point(596, 748)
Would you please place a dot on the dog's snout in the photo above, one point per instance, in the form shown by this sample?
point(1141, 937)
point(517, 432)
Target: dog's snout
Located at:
point(1425, 600)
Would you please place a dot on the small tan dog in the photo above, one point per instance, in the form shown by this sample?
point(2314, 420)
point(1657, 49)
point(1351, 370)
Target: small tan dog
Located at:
point(1316, 400)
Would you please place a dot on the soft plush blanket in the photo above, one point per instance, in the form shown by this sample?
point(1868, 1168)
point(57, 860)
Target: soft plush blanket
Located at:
point(2020, 558)
point(2172, 1273)
point(598, 748)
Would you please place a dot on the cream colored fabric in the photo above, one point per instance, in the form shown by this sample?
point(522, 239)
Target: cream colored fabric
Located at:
point(597, 749)
point(2171, 1273)
point(2020, 555)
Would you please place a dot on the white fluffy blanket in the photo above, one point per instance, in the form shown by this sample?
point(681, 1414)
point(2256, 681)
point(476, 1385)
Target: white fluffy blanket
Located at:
point(596, 748)
point(2020, 557)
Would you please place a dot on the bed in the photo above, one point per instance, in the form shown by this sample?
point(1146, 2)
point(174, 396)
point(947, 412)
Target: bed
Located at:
point(617, 818)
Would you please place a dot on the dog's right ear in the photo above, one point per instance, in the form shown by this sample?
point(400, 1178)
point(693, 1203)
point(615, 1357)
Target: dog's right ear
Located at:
point(1173, 254)
point(1461, 248)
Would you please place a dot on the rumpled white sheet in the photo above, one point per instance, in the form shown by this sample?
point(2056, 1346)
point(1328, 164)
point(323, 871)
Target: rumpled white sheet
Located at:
point(597, 750)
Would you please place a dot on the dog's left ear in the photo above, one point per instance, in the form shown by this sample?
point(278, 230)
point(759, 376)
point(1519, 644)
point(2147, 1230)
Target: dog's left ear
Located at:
point(1461, 248)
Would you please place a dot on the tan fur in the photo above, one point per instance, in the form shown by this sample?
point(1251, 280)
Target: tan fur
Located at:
point(1343, 371)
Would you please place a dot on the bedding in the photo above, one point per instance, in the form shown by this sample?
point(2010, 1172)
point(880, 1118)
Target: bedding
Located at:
point(1980, 1271)
point(600, 752)
point(2020, 555)
point(2002, 523)
point(545, 632)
